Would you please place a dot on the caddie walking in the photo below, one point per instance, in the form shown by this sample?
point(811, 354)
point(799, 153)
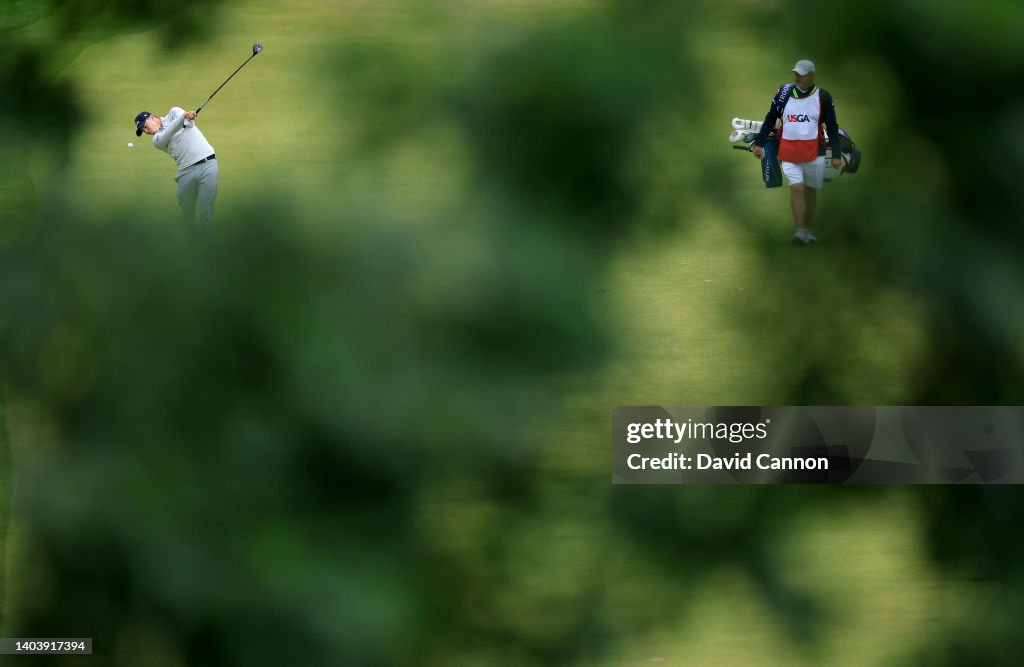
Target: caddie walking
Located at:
point(798, 111)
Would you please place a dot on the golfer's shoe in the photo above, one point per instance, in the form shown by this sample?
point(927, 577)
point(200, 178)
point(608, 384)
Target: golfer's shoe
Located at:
point(804, 237)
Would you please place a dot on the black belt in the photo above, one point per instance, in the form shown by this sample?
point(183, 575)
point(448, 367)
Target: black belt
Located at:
point(205, 159)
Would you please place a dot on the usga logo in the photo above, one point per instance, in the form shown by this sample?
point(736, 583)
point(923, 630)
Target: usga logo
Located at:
point(800, 118)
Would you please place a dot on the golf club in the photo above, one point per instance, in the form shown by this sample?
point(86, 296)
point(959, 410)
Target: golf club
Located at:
point(745, 136)
point(743, 124)
point(256, 48)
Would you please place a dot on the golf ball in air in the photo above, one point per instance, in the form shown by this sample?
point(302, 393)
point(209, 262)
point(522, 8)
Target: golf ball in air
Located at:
point(130, 144)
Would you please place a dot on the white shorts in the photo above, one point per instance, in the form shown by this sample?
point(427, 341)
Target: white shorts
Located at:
point(811, 174)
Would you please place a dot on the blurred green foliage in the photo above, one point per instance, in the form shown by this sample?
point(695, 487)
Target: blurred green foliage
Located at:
point(288, 439)
point(255, 495)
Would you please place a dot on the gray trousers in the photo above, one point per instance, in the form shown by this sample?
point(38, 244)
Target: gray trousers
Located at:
point(197, 188)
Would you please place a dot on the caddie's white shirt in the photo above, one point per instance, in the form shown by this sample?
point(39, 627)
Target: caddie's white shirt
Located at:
point(186, 145)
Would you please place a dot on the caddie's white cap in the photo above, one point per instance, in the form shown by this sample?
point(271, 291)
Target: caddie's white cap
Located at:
point(803, 67)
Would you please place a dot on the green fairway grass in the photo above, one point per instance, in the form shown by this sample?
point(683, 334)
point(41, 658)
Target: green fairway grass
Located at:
point(703, 301)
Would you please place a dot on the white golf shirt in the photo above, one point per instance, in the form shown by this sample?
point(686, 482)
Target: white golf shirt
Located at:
point(186, 145)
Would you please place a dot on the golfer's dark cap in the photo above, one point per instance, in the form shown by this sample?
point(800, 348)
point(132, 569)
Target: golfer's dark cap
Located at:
point(140, 120)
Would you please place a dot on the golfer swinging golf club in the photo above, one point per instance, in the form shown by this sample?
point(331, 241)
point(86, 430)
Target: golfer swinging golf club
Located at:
point(177, 135)
point(801, 108)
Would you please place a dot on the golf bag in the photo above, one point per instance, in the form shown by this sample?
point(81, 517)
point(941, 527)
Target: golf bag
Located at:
point(745, 131)
point(849, 148)
point(771, 170)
